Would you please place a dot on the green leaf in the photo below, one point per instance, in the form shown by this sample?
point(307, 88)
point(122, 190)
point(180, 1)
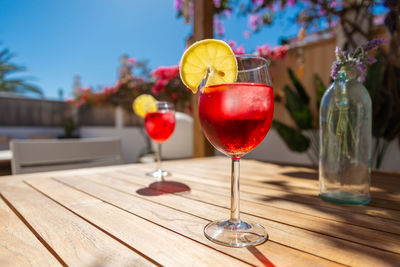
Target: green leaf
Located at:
point(373, 80)
point(299, 87)
point(392, 86)
point(293, 138)
point(293, 101)
point(320, 89)
point(298, 110)
point(15, 85)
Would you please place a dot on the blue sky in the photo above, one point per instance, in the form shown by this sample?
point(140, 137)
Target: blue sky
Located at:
point(56, 40)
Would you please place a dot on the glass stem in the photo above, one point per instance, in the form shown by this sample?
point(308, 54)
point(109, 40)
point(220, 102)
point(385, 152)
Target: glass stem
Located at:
point(158, 156)
point(235, 198)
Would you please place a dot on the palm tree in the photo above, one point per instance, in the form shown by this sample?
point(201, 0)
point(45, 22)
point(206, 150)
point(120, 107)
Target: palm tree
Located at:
point(13, 85)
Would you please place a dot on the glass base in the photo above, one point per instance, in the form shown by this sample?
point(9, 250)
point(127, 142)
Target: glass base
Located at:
point(158, 174)
point(345, 198)
point(240, 234)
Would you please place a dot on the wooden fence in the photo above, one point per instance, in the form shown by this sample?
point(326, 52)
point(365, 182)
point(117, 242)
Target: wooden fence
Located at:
point(318, 56)
point(20, 111)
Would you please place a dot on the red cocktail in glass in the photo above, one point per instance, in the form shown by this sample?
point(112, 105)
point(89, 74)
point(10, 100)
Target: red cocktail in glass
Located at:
point(159, 126)
point(235, 118)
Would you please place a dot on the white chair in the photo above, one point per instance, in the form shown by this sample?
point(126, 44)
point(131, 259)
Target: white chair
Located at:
point(180, 144)
point(48, 155)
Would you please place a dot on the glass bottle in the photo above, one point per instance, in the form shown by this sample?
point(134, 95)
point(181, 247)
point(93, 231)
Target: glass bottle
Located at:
point(345, 141)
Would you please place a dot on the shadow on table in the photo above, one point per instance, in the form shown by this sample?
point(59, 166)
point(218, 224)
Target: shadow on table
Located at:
point(340, 221)
point(264, 260)
point(163, 187)
point(301, 174)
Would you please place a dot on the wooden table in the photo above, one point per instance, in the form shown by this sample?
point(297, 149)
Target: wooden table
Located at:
point(115, 216)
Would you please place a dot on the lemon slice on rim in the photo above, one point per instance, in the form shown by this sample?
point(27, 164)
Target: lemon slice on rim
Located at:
point(144, 104)
point(208, 59)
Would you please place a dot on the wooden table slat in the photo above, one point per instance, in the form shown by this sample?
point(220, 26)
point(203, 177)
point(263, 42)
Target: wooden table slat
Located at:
point(290, 236)
point(306, 196)
point(291, 178)
point(183, 222)
point(133, 230)
point(75, 241)
point(18, 245)
point(117, 216)
point(313, 207)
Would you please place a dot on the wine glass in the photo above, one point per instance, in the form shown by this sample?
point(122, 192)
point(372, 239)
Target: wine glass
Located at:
point(235, 118)
point(159, 126)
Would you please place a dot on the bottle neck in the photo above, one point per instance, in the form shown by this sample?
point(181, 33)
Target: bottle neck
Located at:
point(347, 74)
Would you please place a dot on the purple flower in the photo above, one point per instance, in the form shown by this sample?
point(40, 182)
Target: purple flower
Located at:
point(336, 66)
point(370, 60)
point(218, 26)
point(362, 68)
point(340, 54)
point(274, 8)
point(291, 2)
point(357, 58)
point(215, 22)
point(373, 44)
point(258, 3)
point(178, 4)
point(227, 13)
point(217, 3)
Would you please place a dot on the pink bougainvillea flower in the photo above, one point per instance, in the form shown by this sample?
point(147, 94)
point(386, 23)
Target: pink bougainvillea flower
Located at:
point(97, 99)
point(246, 34)
point(231, 43)
point(281, 51)
point(272, 54)
point(262, 50)
point(116, 87)
point(85, 89)
point(132, 60)
point(239, 50)
point(159, 86)
point(254, 21)
point(278, 52)
point(106, 90)
point(165, 72)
